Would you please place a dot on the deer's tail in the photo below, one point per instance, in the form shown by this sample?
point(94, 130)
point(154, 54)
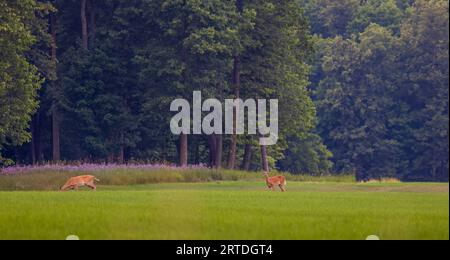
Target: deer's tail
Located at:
point(97, 180)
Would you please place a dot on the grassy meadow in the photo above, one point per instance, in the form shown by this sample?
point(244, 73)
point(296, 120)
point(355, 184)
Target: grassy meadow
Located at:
point(204, 204)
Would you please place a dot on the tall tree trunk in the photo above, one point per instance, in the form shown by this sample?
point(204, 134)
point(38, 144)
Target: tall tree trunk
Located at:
point(32, 149)
point(197, 152)
point(84, 25)
point(212, 150)
point(183, 150)
point(215, 150)
point(248, 153)
point(219, 151)
point(236, 84)
point(36, 139)
point(110, 159)
point(92, 21)
point(56, 136)
point(121, 157)
point(164, 152)
point(264, 161)
point(183, 146)
point(56, 129)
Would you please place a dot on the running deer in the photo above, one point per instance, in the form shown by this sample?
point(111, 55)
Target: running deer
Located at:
point(279, 181)
point(80, 181)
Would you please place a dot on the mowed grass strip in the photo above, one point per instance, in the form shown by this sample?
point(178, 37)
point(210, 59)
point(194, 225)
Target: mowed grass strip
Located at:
point(230, 210)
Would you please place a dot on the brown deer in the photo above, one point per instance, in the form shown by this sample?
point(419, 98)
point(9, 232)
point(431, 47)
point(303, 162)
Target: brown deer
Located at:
point(80, 181)
point(279, 181)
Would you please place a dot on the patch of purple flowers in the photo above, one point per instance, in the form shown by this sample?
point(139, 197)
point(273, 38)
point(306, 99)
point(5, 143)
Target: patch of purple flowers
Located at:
point(87, 167)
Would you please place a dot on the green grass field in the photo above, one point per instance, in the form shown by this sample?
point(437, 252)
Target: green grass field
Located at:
point(229, 210)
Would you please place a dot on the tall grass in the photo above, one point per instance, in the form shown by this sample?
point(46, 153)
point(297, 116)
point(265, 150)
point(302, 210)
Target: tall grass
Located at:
point(51, 178)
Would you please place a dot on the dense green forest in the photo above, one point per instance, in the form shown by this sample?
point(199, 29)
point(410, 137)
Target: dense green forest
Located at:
point(362, 84)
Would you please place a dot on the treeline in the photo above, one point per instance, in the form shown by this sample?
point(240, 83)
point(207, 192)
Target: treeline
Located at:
point(362, 85)
point(381, 86)
point(119, 64)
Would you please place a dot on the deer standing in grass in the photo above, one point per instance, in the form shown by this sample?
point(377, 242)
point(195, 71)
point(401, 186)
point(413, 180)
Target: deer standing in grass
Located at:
point(279, 181)
point(80, 181)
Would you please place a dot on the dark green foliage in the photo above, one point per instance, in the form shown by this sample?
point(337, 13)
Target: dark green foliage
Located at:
point(386, 13)
point(425, 91)
point(378, 81)
point(275, 66)
point(21, 27)
point(382, 95)
point(307, 155)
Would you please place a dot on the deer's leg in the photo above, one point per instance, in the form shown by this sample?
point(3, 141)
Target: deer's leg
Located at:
point(91, 185)
point(282, 188)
